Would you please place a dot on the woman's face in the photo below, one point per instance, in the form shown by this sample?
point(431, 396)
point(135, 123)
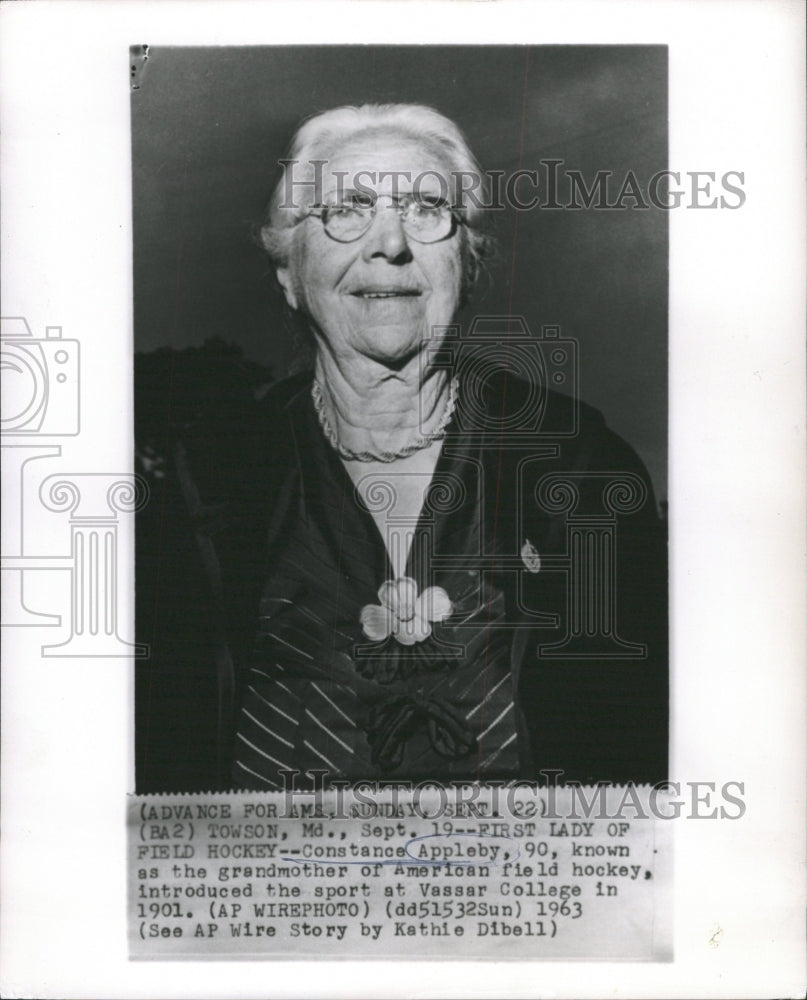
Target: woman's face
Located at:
point(381, 296)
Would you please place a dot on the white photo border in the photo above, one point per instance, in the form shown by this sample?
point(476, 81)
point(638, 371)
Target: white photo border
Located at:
point(737, 474)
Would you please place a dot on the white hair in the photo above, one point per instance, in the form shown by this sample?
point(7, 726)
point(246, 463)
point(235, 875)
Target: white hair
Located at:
point(321, 136)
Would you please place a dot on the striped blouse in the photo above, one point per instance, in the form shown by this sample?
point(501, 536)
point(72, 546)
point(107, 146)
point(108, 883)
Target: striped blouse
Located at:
point(320, 695)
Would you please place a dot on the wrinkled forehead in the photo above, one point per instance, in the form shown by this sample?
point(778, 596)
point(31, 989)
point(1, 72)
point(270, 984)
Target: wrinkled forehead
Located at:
point(381, 162)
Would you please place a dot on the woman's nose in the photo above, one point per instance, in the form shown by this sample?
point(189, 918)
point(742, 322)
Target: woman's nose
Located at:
point(386, 236)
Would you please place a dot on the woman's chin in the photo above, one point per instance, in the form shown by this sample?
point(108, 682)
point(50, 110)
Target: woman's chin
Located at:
point(390, 345)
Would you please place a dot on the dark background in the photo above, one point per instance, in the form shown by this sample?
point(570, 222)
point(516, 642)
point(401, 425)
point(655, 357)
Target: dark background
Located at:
point(209, 124)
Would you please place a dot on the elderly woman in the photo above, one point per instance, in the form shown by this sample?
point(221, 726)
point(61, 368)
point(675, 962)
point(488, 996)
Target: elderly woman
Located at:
point(392, 565)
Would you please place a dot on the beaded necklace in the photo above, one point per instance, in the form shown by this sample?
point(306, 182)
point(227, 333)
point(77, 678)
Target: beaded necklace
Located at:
point(420, 442)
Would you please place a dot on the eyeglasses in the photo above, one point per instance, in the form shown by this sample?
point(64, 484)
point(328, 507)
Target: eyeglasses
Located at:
point(424, 219)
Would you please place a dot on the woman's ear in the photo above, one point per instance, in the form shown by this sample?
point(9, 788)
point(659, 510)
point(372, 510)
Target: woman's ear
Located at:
point(470, 273)
point(285, 281)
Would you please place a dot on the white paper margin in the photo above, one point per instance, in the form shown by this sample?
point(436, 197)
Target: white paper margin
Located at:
point(736, 502)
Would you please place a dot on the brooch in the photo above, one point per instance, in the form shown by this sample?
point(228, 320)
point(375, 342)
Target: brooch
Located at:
point(531, 557)
point(402, 613)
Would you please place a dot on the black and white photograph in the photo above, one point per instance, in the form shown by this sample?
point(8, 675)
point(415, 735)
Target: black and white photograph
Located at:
point(402, 520)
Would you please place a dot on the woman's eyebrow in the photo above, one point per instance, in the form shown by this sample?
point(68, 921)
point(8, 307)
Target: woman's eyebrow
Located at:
point(341, 193)
point(332, 194)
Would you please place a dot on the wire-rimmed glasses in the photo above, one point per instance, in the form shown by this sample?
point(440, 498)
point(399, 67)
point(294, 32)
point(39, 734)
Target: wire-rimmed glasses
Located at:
point(424, 219)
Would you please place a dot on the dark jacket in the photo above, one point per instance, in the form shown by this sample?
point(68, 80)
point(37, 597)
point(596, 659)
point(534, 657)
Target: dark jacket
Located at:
point(559, 488)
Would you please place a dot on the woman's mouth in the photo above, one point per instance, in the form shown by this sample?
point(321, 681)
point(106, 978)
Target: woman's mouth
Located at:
point(385, 293)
